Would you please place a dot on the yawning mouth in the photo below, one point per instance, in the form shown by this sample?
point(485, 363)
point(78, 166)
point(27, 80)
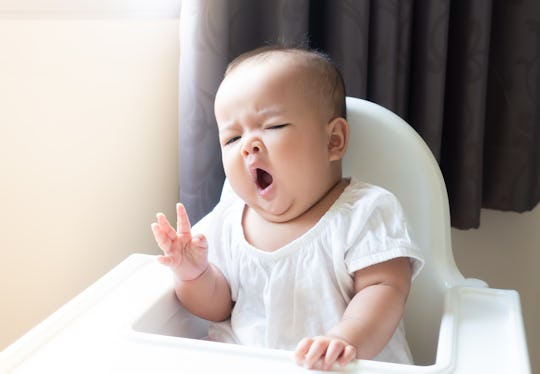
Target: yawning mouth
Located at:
point(264, 179)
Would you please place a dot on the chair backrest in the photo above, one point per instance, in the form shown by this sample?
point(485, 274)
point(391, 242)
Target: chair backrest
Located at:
point(386, 151)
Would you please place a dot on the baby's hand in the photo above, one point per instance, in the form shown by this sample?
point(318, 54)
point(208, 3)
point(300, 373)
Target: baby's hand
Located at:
point(322, 352)
point(187, 256)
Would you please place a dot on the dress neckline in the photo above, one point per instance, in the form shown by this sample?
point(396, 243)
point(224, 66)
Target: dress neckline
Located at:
point(300, 241)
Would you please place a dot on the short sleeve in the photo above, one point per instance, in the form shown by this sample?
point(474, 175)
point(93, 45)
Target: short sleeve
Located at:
point(379, 232)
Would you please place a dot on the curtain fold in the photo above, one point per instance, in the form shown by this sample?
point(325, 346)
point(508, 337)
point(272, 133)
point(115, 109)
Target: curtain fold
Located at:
point(203, 57)
point(462, 145)
point(512, 151)
point(465, 75)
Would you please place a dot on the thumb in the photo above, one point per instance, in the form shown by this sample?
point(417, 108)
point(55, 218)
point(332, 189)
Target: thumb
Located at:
point(199, 240)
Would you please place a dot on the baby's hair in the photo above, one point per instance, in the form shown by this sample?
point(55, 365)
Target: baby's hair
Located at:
point(330, 82)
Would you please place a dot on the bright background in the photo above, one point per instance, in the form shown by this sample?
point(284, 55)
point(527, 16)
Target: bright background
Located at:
point(88, 154)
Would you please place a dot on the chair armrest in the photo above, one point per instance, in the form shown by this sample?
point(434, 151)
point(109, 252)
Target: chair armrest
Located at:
point(482, 332)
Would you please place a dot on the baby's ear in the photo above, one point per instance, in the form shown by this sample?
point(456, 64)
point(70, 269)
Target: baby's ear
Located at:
point(338, 130)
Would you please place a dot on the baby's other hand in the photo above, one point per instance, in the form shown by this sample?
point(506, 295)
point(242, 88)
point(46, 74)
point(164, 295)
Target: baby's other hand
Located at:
point(185, 254)
point(322, 352)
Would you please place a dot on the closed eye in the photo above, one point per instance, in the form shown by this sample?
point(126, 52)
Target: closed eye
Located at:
point(276, 127)
point(232, 140)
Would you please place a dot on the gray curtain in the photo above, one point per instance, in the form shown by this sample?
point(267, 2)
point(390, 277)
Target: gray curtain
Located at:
point(464, 74)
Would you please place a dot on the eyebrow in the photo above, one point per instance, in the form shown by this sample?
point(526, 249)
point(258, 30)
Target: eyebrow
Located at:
point(264, 112)
point(271, 111)
point(226, 126)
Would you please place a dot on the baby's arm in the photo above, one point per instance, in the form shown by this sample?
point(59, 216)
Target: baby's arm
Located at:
point(199, 285)
point(369, 321)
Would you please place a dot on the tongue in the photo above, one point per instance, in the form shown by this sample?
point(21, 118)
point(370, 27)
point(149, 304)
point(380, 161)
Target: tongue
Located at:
point(263, 179)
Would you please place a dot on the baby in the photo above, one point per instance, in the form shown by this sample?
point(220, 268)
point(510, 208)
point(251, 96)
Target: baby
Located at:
point(299, 257)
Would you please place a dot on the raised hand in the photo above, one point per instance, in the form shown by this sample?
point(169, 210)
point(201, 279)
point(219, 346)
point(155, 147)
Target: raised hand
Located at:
point(323, 352)
point(185, 254)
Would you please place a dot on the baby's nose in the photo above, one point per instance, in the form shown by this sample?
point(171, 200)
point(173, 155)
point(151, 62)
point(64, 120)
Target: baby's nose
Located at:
point(252, 147)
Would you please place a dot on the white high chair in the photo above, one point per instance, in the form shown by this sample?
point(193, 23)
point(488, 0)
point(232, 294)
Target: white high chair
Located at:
point(130, 320)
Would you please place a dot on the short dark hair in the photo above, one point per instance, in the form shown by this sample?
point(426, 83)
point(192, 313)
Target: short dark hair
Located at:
point(330, 84)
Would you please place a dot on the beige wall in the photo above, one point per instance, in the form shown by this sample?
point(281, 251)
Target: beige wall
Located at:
point(505, 252)
point(88, 154)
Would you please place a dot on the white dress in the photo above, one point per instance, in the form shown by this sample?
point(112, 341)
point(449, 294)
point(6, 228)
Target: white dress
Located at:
point(302, 289)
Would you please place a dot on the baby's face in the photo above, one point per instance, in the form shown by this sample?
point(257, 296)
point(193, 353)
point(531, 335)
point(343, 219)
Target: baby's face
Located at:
point(274, 138)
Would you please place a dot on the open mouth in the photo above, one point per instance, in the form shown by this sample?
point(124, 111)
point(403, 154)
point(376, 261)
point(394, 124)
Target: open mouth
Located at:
point(264, 179)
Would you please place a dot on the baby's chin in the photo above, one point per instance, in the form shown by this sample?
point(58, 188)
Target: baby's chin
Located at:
point(272, 214)
point(279, 214)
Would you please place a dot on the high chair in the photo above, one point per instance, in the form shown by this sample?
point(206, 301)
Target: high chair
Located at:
point(130, 320)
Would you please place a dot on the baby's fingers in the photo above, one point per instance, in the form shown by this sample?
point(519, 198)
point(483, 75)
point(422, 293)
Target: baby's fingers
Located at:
point(334, 350)
point(183, 227)
point(348, 355)
point(302, 349)
point(315, 353)
point(323, 353)
point(339, 352)
point(166, 260)
point(165, 226)
point(200, 242)
point(162, 238)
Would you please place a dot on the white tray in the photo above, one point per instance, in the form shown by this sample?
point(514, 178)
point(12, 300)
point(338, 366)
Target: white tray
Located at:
point(129, 322)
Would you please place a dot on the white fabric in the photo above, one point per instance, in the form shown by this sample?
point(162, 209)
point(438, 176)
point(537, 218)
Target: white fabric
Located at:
point(303, 288)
